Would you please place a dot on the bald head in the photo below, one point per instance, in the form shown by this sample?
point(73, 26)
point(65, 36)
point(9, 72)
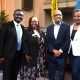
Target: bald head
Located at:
point(57, 12)
point(57, 16)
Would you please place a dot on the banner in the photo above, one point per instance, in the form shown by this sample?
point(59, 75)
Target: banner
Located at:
point(54, 6)
point(77, 6)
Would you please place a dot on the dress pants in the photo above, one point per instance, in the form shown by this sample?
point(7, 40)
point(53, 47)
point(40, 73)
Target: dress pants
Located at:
point(12, 66)
point(56, 63)
point(75, 64)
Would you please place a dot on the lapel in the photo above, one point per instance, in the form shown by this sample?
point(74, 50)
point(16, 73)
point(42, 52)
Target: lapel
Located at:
point(77, 34)
point(71, 29)
point(34, 38)
point(60, 30)
point(13, 29)
point(52, 31)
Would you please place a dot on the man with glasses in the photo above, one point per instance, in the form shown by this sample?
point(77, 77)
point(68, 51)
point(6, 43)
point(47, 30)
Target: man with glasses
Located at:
point(13, 45)
point(58, 43)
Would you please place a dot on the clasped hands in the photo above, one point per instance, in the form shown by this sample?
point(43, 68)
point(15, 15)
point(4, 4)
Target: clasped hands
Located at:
point(56, 53)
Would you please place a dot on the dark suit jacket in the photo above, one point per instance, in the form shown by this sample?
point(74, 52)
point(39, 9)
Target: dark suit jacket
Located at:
point(63, 38)
point(33, 47)
point(8, 40)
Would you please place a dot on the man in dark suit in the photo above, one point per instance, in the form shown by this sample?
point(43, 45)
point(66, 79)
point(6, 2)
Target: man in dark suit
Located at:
point(58, 43)
point(13, 45)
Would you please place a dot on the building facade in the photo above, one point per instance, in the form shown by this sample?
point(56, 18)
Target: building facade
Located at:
point(39, 8)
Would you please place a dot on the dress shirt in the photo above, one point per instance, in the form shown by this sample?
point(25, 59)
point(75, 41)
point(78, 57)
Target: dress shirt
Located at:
point(19, 35)
point(56, 30)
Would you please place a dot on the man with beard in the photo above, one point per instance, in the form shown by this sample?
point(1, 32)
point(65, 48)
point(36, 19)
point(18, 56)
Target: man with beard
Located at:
point(13, 45)
point(58, 42)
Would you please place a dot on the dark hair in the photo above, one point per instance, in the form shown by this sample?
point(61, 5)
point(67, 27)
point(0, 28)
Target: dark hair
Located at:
point(76, 10)
point(18, 10)
point(29, 25)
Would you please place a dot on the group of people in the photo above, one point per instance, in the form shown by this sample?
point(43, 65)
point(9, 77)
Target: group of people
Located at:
point(26, 51)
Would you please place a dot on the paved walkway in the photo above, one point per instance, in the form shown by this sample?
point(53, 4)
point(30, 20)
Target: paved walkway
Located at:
point(67, 76)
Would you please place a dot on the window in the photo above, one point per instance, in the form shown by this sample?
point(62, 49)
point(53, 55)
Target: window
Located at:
point(27, 4)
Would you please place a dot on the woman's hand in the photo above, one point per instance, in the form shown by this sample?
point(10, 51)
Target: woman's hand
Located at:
point(2, 60)
point(28, 58)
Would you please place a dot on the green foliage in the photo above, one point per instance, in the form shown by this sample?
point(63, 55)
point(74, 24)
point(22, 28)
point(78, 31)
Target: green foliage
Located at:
point(3, 17)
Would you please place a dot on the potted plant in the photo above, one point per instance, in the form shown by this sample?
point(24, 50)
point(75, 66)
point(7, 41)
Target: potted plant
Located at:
point(3, 17)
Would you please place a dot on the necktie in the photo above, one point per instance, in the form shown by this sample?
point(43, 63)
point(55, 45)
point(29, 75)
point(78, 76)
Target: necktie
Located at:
point(19, 37)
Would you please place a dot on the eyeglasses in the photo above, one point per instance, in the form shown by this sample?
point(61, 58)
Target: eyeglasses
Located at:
point(57, 15)
point(34, 21)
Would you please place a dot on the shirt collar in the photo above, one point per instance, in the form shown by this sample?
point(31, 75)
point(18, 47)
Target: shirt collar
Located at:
point(57, 24)
point(15, 23)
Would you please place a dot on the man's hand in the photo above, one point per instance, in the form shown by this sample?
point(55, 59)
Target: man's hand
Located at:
point(57, 53)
